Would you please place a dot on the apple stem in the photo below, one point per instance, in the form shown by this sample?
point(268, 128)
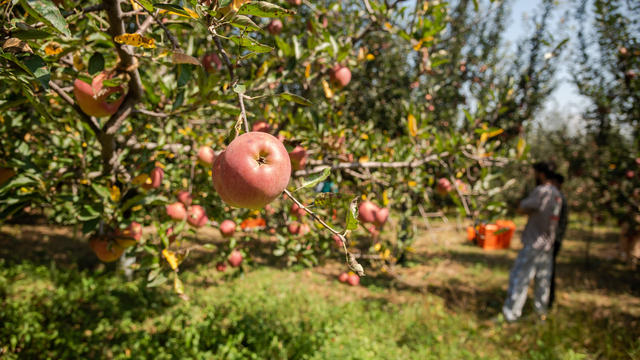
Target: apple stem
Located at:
point(243, 112)
point(349, 257)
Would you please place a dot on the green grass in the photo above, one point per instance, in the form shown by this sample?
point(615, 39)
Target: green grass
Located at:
point(57, 311)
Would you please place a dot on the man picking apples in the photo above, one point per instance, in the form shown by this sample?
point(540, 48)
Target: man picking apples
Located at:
point(543, 207)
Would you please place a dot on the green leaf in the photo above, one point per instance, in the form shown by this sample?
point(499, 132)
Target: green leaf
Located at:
point(251, 44)
point(239, 88)
point(30, 34)
point(157, 281)
point(242, 22)
point(173, 8)
point(352, 215)
point(326, 200)
point(48, 13)
point(264, 9)
point(101, 190)
point(282, 45)
point(315, 179)
point(146, 4)
point(90, 225)
point(96, 63)
point(38, 68)
point(295, 98)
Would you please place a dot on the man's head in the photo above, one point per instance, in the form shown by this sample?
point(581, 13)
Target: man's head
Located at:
point(557, 180)
point(543, 171)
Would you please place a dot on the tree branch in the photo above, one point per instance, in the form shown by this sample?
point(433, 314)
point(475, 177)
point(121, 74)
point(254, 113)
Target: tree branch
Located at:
point(172, 38)
point(371, 165)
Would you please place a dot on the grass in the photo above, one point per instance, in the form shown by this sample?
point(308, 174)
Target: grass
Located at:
point(440, 307)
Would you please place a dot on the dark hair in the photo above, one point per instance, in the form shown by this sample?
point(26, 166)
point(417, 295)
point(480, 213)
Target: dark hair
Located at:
point(557, 178)
point(547, 168)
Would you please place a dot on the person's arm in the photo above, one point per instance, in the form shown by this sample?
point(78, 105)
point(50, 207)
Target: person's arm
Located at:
point(564, 220)
point(531, 203)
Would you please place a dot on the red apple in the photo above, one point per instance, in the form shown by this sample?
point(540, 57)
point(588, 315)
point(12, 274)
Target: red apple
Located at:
point(105, 250)
point(298, 158)
point(196, 216)
point(92, 99)
point(130, 235)
point(367, 212)
point(296, 228)
point(630, 174)
point(227, 228)
point(155, 179)
point(295, 2)
point(297, 211)
point(461, 186)
point(353, 279)
point(235, 258)
point(336, 240)
point(206, 156)
point(211, 62)
point(170, 235)
point(381, 216)
point(275, 27)
point(262, 126)
point(221, 266)
point(638, 161)
point(444, 186)
point(340, 75)
point(343, 277)
point(185, 197)
point(252, 171)
point(176, 211)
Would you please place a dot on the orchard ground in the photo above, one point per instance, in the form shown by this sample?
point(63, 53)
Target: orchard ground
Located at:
point(441, 306)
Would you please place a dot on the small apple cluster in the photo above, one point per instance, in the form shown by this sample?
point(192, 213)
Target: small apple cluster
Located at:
point(182, 209)
point(370, 213)
point(349, 278)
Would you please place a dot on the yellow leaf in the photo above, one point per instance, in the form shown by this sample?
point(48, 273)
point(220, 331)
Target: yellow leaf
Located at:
point(115, 193)
point(363, 159)
point(495, 133)
point(52, 48)
point(385, 198)
point(177, 286)
point(413, 126)
point(412, 183)
point(136, 40)
point(364, 137)
point(370, 57)
point(410, 249)
point(388, 25)
point(140, 179)
point(364, 197)
point(417, 46)
point(84, 181)
point(425, 6)
point(84, 144)
point(136, 208)
point(185, 183)
point(361, 54)
point(262, 69)
point(159, 164)
point(171, 258)
point(328, 93)
point(484, 137)
point(612, 166)
point(192, 13)
point(77, 62)
point(135, 5)
point(377, 247)
point(307, 70)
point(520, 146)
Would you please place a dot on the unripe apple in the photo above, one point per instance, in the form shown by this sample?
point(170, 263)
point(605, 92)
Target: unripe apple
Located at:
point(340, 75)
point(176, 211)
point(235, 258)
point(367, 211)
point(221, 266)
point(353, 279)
point(227, 228)
point(129, 236)
point(196, 216)
point(261, 126)
point(297, 211)
point(252, 171)
point(381, 216)
point(105, 250)
point(298, 158)
point(343, 277)
point(275, 27)
point(185, 197)
point(92, 99)
point(211, 62)
point(206, 156)
point(155, 179)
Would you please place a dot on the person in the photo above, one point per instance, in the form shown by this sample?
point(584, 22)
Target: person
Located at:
point(543, 207)
point(557, 180)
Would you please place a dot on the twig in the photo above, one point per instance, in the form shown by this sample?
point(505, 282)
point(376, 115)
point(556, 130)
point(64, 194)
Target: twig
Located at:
point(222, 52)
point(243, 112)
point(150, 113)
point(145, 25)
point(350, 258)
point(372, 165)
point(87, 119)
point(453, 182)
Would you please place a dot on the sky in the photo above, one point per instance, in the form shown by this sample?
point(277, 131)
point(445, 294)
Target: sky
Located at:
point(565, 97)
